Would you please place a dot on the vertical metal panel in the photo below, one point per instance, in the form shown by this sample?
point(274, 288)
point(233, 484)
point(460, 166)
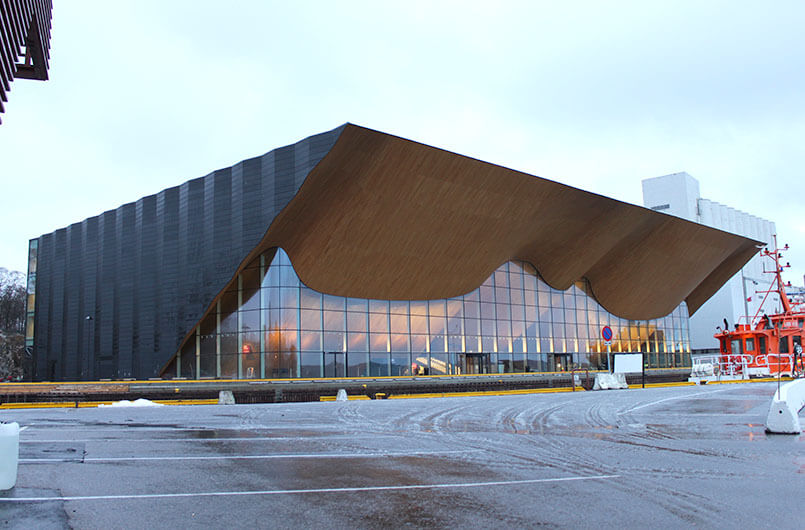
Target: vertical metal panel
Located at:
point(126, 278)
point(89, 294)
point(146, 282)
point(55, 357)
point(72, 303)
point(146, 272)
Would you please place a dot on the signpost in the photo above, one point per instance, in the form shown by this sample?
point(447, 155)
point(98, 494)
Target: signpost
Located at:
point(606, 334)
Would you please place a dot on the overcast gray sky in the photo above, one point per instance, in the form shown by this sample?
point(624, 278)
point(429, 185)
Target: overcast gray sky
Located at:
point(146, 94)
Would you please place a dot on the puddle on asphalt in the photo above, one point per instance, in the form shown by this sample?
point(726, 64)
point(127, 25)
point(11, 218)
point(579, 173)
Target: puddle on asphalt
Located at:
point(715, 406)
point(211, 434)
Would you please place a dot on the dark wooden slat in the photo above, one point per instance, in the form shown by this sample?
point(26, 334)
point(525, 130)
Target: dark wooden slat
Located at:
point(23, 23)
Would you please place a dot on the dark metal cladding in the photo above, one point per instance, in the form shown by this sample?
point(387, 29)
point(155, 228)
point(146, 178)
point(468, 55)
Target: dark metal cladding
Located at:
point(116, 293)
point(24, 42)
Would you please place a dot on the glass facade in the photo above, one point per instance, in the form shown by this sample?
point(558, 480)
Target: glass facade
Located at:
point(30, 300)
point(267, 324)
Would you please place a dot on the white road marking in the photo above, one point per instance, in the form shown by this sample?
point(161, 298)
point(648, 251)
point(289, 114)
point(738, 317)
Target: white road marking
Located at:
point(243, 457)
point(294, 492)
point(652, 403)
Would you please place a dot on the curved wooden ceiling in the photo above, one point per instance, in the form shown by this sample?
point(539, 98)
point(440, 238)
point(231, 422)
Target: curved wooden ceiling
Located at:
point(387, 218)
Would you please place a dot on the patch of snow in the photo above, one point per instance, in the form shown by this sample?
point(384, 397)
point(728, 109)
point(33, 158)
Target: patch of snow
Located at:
point(136, 403)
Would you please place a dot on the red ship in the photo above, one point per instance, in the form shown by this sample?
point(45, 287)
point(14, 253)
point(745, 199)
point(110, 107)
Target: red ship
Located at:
point(767, 345)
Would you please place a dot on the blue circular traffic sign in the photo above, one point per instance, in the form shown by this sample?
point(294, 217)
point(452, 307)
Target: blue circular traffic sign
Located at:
point(606, 333)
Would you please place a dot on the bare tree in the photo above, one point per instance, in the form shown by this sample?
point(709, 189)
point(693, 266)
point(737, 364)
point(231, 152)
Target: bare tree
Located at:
point(12, 323)
point(12, 302)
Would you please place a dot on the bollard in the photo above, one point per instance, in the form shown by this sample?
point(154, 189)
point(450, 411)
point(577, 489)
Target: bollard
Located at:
point(226, 397)
point(9, 454)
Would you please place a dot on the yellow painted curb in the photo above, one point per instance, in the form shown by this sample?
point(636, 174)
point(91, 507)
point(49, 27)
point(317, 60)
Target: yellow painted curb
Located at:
point(349, 398)
point(40, 405)
point(485, 393)
point(92, 404)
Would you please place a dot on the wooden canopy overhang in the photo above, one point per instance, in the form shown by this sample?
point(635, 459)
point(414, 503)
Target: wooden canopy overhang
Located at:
point(383, 217)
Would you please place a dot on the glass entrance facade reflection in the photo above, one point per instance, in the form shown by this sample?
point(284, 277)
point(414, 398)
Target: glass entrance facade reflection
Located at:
point(267, 324)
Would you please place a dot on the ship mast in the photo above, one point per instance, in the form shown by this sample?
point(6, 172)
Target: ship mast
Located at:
point(777, 284)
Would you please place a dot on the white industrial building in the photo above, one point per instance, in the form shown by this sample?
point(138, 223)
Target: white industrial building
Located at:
point(678, 194)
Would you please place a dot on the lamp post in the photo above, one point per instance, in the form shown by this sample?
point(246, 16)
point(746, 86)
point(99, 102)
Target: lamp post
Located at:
point(89, 346)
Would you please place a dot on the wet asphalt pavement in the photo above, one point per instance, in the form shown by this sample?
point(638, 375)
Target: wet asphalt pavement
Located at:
point(664, 457)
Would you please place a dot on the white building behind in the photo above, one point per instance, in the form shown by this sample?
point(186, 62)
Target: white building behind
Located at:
point(678, 194)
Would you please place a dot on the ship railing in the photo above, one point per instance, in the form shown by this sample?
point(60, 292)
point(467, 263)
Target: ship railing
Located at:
point(704, 365)
point(786, 360)
point(735, 364)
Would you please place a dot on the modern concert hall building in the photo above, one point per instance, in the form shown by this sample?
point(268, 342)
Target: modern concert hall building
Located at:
point(357, 253)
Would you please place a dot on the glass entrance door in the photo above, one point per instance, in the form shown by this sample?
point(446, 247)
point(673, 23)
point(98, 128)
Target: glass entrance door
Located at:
point(560, 362)
point(335, 364)
point(473, 363)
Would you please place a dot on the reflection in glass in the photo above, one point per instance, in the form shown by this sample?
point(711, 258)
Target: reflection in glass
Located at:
point(268, 324)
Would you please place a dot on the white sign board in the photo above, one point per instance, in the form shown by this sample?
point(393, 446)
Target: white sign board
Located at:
point(628, 363)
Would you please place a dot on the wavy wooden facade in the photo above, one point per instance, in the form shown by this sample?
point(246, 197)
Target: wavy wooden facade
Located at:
point(387, 218)
point(24, 42)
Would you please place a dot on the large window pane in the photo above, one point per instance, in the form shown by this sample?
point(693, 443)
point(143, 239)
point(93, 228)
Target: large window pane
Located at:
point(399, 323)
point(309, 299)
point(334, 320)
point(357, 364)
point(378, 323)
point(437, 343)
point(419, 308)
point(472, 309)
point(399, 342)
point(419, 324)
point(250, 320)
point(357, 342)
point(438, 364)
point(487, 310)
point(288, 277)
point(310, 341)
point(311, 365)
point(229, 365)
point(310, 319)
point(333, 303)
point(378, 342)
point(437, 325)
point(437, 308)
point(379, 364)
point(378, 306)
point(400, 364)
point(357, 322)
point(332, 341)
point(419, 343)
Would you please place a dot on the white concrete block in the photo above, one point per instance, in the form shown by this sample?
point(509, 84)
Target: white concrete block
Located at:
point(9, 454)
point(226, 397)
point(784, 409)
point(606, 381)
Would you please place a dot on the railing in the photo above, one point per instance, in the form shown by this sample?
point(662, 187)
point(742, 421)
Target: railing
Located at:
point(586, 385)
point(739, 364)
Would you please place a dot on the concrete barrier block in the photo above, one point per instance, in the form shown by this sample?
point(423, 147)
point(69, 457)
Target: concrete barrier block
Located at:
point(226, 397)
point(610, 382)
point(783, 417)
point(342, 395)
point(9, 454)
